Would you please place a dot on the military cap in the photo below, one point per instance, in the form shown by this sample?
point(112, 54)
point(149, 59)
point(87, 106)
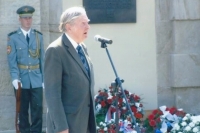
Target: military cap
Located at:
point(25, 11)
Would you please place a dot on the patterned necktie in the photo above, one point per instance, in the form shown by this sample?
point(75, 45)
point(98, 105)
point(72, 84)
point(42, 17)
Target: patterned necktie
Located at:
point(27, 38)
point(83, 58)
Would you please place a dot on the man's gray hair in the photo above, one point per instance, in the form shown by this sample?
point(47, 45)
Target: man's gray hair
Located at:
point(69, 15)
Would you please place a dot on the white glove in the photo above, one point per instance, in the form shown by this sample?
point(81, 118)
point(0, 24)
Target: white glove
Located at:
point(43, 85)
point(15, 83)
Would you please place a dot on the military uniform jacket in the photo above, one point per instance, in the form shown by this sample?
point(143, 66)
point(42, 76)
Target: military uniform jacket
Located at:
point(19, 52)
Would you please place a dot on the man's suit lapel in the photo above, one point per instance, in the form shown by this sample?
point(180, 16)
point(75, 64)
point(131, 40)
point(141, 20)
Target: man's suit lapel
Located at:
point(73, 53)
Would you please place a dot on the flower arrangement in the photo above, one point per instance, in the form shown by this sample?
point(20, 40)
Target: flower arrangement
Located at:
point(108, 102)
point(162, 120)
point(189, 124)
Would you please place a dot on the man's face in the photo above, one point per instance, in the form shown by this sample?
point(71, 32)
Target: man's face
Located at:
point(26, 22)
point(79, 29)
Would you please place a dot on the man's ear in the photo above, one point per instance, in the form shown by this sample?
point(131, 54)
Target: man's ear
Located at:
point(68, 27)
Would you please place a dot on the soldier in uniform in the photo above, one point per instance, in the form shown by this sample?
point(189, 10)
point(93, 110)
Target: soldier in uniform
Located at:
point(25, 52)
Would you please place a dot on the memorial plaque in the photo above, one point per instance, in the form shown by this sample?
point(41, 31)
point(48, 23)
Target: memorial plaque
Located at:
point(111, 11)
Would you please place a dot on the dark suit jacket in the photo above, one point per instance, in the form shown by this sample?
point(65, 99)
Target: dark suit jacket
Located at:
point(68, 89)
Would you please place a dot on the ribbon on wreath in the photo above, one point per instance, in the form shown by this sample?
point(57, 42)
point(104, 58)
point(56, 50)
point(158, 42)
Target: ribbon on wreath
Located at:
point(165, 118)
point(126, 127)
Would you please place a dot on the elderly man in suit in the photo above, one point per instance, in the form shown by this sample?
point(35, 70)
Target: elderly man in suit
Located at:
point(25, 52)
point(69, 78)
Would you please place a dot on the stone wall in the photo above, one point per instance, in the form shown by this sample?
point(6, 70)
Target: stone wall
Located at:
point(178, 53)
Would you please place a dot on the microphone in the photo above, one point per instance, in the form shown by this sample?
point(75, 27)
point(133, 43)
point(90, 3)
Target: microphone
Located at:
point(102, 39)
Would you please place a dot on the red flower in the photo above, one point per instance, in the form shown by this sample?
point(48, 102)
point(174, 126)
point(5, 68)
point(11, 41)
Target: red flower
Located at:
point(172, 110)
point(158, 120)
point(112, 126)
point(120, 100)
point(109, 101)
point(101, 93)
point(151, 117)
point(101, 131)
point(128, 118)
point(103, 104)
point(152, 123)
point(138, 115)
point(155, 111)
point(113, 109)
point(114, 97)
point(180, 113)
point(123, 111)
point(160, 112)
point(136, 98)
point(126, 92)
point(134, 109)
point(111, 131)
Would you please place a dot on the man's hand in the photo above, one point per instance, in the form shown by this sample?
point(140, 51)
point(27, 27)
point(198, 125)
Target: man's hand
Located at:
point(15, 83)
point(65, 131)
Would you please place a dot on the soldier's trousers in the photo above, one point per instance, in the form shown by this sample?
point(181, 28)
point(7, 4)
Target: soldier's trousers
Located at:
point(32, 98)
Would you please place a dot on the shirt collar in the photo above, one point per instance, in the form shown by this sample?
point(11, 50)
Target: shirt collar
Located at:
point(72, 41)
point(26, 32)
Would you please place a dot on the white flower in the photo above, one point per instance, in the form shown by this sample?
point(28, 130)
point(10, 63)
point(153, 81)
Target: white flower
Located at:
point(124, 108)
point(101, 123)
point(197, 123)
point(105, 129)
point(195, 129)
point(139, 109)
point(188, 115)
point(98, 107)
point(124, 101)
point(188, 128)
point(180, 109)
point(98, 127)
point(195, 118)
point(104, 124)
point(176, 126)
point(109, 96)
point(191, 124)
point(183, 123)
point(137, 104)
point(185, 118)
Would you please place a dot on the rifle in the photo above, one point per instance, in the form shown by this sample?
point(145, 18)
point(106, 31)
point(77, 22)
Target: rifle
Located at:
point(18, 97)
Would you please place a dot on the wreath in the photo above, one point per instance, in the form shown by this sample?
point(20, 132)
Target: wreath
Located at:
point(108, 101)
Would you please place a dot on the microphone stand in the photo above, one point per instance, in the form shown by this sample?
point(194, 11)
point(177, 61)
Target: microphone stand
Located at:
point(118, 83)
